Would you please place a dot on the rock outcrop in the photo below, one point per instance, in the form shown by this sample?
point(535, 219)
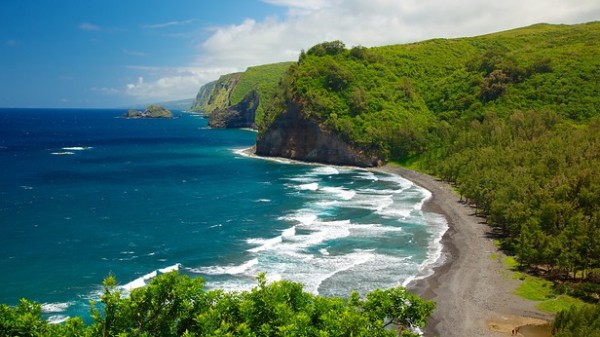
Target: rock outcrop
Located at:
point(295, 137)
point(152, 111)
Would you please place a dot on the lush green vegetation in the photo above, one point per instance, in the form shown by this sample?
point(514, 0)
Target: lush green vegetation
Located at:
point(231, 89)
point(511, 119)
point(387, 99)
point(578, 321)
point(174, 305)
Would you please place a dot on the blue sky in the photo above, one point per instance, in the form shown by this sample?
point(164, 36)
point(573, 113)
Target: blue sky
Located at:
point(108, 53)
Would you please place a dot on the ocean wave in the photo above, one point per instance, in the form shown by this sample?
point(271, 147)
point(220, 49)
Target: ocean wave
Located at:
point(366, 175)
point(55, 307)
point(324, 170)
point(303, 216)
point(308, 187)
point(57, 319)
point(226, 270)
point(144, 280)
point(339, 192)
point(62, 153)
point(77, 148)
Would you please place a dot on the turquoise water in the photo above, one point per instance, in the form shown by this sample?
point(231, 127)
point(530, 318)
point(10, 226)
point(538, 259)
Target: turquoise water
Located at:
point(84, 194)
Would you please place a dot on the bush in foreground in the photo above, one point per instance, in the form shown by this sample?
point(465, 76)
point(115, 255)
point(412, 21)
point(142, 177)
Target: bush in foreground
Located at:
point(177, 305)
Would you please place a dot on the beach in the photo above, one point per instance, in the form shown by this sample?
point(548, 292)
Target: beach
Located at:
point(472, 289)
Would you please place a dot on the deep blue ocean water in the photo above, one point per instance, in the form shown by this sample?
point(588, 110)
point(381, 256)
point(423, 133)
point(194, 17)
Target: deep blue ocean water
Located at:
point(84, 194)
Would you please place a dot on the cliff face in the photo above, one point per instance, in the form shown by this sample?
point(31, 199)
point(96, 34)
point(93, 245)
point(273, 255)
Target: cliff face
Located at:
point(241, 115)
point(203, 97)
point(295, 137)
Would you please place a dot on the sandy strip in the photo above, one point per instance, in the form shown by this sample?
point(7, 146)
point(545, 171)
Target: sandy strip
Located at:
point(472, 290)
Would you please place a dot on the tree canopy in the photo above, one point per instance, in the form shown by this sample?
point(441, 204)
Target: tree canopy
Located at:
point(177, 305)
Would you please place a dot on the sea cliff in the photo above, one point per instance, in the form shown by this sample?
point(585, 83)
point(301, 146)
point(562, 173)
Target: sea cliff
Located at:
point(234, 100)
point(293, 136)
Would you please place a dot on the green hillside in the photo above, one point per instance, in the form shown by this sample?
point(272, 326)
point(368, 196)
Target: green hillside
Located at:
point(511, 118)
point(231, 89)
point(380, 98)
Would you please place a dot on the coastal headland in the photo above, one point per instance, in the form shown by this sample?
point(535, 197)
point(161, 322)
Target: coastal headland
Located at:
point(473, 291)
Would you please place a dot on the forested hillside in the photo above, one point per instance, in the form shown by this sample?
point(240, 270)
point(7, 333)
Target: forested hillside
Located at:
point(385, 98)
point(511, 118)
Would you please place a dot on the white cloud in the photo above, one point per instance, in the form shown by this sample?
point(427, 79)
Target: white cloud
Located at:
point(175, 83)
point(168, 24)
point(356, 22)
point(90, 27)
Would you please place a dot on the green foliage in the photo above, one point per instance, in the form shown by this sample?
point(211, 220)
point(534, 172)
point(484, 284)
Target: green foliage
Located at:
point(559, 303)
point(578, 321)
point(535, 289)
point(512, 119)
point(231, 89)
point(388, 100)
point(174, 305)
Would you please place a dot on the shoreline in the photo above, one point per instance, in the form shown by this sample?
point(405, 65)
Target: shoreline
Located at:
point(473, 291)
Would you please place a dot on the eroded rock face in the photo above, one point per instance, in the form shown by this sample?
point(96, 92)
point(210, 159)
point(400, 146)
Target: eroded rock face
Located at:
point(241, 115)
point(292, 136)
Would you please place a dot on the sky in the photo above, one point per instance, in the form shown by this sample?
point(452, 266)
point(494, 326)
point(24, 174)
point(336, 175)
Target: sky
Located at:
point(118, 53)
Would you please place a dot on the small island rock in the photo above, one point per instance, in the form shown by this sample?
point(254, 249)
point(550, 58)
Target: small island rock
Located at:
point(151, 111)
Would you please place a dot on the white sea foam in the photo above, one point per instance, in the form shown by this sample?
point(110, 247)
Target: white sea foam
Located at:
point(305, 217)
point(371, 202)
point(169, 269)
point(77, 148)
point(367, 175)
point(317, 247)
point(57, 319)
point(226, 270)
point(308, 187)
point(55, 307)
point(263, 244)
point(62, 153)
point(263, 200)
point(143, 281)
point(339, 192)
point(324, 170)
point(303, 179)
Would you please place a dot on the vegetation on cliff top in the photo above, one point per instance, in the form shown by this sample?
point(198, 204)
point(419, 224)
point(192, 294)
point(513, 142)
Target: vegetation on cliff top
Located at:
point(173, 305)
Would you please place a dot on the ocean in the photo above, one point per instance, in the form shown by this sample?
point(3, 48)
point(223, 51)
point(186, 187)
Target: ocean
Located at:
point(85, 194)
